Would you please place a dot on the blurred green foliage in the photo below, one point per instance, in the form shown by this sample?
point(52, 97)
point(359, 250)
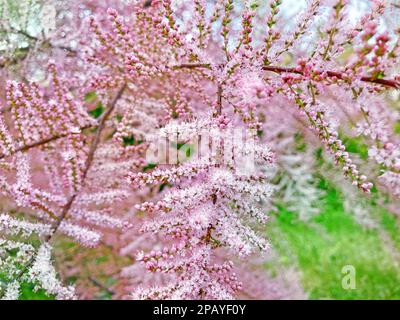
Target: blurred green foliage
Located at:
point(320, 248)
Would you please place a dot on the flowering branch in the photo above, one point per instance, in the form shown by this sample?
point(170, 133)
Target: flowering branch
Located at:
point(41, 142)
point(277, 69)
point(88, 164)
point(333, 74)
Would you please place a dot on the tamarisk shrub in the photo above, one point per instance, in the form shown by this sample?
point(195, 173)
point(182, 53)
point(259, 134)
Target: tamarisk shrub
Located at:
point(49, 131)
point(201, 217)
point(132, 140)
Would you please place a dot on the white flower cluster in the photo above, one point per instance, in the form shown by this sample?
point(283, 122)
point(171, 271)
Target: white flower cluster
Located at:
point(44, 273)
point(14, 226)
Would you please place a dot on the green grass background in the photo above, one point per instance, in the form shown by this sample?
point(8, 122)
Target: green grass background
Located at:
point(321, 247)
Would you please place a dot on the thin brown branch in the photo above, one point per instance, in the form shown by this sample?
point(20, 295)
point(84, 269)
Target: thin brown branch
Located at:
point(97, 283)
point(384, 82)
point(277, 69)
point(35, 39)
point(219, 99)
point(88, 163)
point(192, 66)
point(41, 142)
point(89, 159)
